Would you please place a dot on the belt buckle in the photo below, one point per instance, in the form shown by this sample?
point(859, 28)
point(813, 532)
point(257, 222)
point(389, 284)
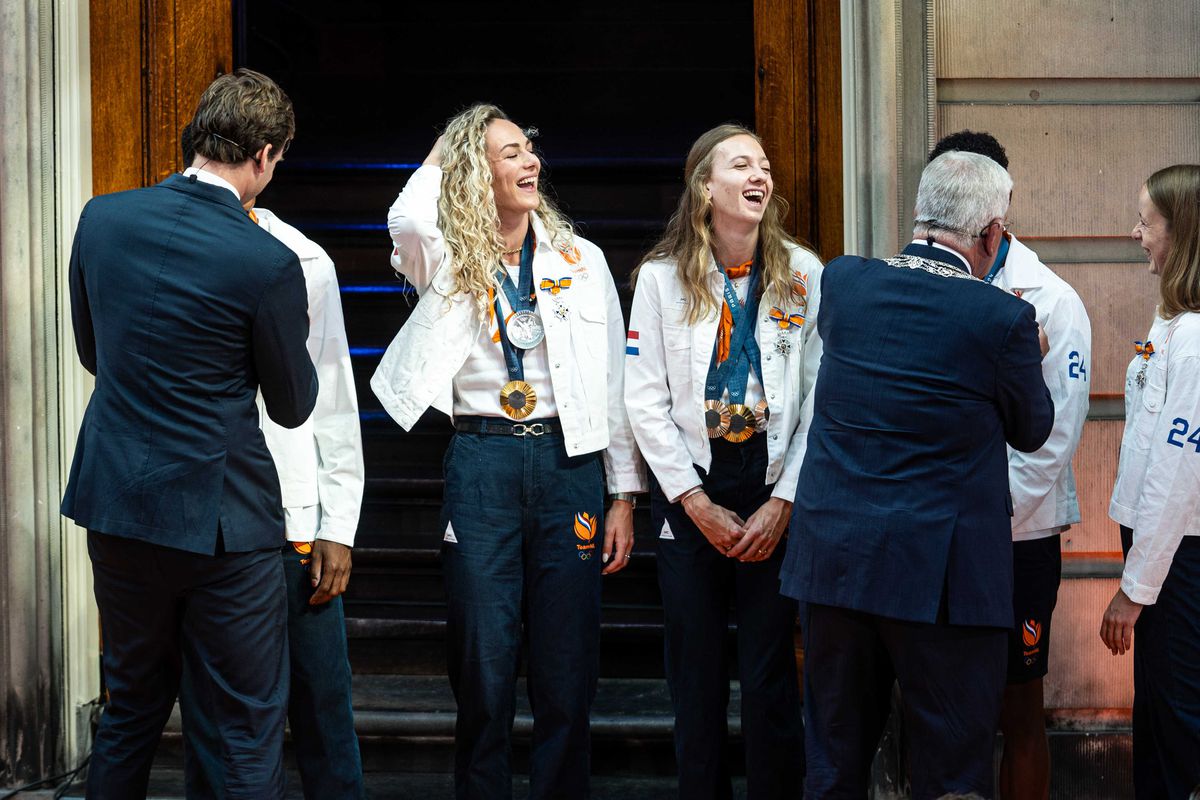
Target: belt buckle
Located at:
point(521, 429)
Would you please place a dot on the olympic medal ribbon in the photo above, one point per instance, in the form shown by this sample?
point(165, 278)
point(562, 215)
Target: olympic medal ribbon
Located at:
point(517, 398)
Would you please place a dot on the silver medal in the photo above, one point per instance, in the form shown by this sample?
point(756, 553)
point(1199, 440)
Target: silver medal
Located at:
point(525, 330)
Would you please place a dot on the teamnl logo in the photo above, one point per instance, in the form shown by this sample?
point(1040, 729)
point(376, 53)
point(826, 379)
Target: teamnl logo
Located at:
point(1031, 635)
point(585, 532)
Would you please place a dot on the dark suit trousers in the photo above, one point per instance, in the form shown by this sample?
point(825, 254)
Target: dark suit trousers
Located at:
point(1166, 681)
point(699, 584)
point(951, 683)
point(225, 614)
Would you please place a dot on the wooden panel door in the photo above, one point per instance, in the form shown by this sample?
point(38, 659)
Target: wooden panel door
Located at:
point(151, 60)
point(798, 108)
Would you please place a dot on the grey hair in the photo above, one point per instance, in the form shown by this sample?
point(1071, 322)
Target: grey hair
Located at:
point(959, 194)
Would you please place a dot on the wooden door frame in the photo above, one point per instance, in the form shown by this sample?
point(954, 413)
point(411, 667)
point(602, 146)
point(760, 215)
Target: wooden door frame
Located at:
point(151, 60)
point(798, 112)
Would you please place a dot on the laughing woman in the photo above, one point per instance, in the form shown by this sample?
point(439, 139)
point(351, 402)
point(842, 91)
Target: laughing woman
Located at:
point(722, 354)
point(518, 335)
point(1156, 499)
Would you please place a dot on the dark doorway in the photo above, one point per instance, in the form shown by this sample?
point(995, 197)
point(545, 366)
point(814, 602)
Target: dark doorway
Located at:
point(619, 90)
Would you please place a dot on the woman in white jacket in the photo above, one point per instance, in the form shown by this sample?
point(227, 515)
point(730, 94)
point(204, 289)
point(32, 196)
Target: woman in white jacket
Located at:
point(721, 356)
point(1156, 499)
point(518, 336)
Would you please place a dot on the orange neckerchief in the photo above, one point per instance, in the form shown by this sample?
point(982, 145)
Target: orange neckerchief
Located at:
point(725, 328)
point(253, 216)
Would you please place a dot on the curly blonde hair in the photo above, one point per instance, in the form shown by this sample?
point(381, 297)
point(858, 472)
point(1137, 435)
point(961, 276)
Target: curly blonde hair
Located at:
point(688, 239)
point(467, 215)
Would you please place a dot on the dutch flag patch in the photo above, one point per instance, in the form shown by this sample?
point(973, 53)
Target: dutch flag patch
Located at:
point(631, 344)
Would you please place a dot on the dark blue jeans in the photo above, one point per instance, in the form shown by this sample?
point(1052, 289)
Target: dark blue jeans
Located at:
point(319, 705)
point(220, 616)
point(698, 586)
point(524, 527)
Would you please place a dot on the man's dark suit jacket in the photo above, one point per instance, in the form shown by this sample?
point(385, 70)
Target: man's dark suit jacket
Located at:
point(183, 309)
point(903, 500)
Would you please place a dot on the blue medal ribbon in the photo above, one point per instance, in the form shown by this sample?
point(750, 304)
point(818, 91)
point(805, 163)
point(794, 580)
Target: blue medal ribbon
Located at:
point(744, 354)
point(998, 264)
point(520, 297)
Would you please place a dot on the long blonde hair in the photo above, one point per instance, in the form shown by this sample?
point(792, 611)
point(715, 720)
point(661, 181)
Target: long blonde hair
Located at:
point(688, 239)
point(1175, 192)
point(467, 215)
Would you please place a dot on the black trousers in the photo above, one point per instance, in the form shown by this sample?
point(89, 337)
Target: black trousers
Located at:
point(227, 616)
point(699, 584)
point(1166, 682)
point(951, 683)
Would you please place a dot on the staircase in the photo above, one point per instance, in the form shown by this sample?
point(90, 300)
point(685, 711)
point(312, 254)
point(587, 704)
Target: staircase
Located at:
point(395, 606)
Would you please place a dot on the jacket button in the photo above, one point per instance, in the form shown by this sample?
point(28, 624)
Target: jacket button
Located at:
point(556, 366)
point(768, 358)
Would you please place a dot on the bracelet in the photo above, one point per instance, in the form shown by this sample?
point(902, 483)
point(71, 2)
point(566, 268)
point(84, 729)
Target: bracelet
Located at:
point(628, 497)
point(695, 490)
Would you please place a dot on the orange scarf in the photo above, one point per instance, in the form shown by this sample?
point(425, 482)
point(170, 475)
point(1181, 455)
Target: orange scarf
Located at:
point(725, 328)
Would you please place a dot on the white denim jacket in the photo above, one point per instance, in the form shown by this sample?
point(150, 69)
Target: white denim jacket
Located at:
point(1157, 492)
point(585, 349)
point(667, 362)
point(1043, 482)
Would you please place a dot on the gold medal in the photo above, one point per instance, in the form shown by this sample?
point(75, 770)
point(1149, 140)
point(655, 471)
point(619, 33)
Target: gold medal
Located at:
point(741, 423)
point(716, 418)
point(762, 414)
point(517, 399)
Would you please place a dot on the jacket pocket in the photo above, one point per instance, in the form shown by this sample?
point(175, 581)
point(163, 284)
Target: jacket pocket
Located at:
point(591, 328)
point(677, 349)
point(1153, 398)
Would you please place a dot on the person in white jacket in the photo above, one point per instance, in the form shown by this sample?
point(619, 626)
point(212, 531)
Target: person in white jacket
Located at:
point(321, 476)
point(721, 356)
point(519, 336)
point(1042, 485)
point(1156, 498)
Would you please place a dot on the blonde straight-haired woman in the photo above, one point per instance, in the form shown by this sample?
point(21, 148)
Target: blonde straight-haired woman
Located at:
point(1156, 499)
point(722, 354)
point(518, 335)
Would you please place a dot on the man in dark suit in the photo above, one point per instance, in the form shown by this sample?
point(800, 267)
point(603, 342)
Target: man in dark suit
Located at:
point(900, 543)
point(183, 309)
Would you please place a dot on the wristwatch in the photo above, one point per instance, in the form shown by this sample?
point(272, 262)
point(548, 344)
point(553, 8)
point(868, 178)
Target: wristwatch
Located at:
point(628, 497)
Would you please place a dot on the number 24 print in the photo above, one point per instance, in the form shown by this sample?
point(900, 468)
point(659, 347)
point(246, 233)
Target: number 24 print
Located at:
point(1076, 368)
point(1179, 428)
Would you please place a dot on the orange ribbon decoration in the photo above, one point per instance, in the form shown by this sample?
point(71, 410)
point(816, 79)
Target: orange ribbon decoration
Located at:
point(785, 321)
point(555, 286)
point(725, 328)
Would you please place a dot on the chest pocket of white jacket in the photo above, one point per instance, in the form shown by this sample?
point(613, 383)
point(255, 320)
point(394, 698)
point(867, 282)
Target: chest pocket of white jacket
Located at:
point(677, 347)
point(590, 331)
point(1153, 398)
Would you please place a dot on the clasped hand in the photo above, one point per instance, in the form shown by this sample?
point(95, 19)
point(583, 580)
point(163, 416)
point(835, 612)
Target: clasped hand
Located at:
point(752, 540)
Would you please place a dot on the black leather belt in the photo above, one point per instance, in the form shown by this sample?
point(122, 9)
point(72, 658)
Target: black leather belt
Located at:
point(504, 427)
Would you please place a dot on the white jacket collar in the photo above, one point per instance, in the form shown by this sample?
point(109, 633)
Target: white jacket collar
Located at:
point(1021, 267)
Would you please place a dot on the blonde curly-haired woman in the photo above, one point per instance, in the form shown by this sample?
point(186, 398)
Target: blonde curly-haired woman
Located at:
point(723, 353)
point(518, 335)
